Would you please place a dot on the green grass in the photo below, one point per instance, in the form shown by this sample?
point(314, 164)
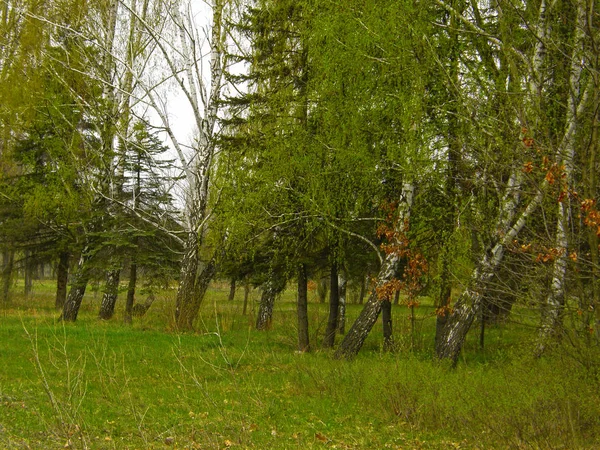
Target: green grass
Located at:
point(103, 385)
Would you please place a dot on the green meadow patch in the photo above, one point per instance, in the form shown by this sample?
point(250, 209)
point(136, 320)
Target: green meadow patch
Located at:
point(104, 385)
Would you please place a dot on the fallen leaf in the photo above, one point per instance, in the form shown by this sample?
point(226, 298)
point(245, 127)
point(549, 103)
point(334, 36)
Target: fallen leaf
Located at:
point(321, 437)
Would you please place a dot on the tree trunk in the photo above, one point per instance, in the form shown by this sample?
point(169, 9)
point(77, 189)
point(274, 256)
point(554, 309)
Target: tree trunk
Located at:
point(273, 287)
point(78, 285)
point(302, 307)
point(334, 303)
point(555, 302)
point(397, 298)
point(451, 177)
point(128, 317)
point(28, 274)
point(189, 310)
point(342, 284)
point(187, 282)
point(363, 290)
point(7, 269)
point(111, 292)
point(231, 290)
point(62, 279)
point(386, 317)
point(246, 295)
point(322, 290)
point(468, 305)
point(354, 340)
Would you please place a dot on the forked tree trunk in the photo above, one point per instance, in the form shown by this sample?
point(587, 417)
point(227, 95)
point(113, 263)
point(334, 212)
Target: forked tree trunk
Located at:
point(188, 310)
point(354, 340)
point(62, 279)
point(128, 317)
point(334, 303)
point(302, 308)
point(111, 292)
point(272, 288)
point(342, 287)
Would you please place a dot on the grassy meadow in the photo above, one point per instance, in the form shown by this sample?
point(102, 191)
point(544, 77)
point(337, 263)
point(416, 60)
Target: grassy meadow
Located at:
point(104, 385)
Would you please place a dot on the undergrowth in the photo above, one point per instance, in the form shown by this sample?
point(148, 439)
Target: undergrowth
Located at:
point(104, 385)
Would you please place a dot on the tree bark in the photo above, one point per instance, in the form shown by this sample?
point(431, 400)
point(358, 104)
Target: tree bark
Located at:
point(468, 305)
point(322, 290)
point(187, 283)
point(272, 288)
point(342, 285)
point(555, 302)
point(363, 289)
point(111, 292)
point(334, 303)
point(62, 279)
point(78, 285)
point(128, 317)
point(354, 340)
point(231, 296)
point(28, 274)
point(386, 318)
point(246, 295)
point(7, 269)
point(302, 308)
point(188, 310)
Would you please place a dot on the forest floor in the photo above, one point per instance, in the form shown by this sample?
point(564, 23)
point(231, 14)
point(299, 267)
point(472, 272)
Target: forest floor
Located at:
point(104, 385)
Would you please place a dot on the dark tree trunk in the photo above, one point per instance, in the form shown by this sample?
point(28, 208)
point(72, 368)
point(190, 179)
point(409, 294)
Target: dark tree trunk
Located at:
point(442, 312)
point(127, 318)
point(273, 287)
point(303, 342)
point(7, 269)
point(386, 317)
point(334, 304)
point(78, 285)
point(28, 274)
point(140, 309)
point(363, 290)
point(397, 298)
point(62, 279)
point(342, 284)
point(111, 292)
point(231, 290)
point(246, 295)
point(322, 290)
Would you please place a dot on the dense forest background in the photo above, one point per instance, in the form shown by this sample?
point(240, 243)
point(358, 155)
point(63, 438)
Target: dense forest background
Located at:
point(440, 150)
point(405, 192)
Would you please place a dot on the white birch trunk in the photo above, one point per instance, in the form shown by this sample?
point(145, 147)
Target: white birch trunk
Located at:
point(552, 315)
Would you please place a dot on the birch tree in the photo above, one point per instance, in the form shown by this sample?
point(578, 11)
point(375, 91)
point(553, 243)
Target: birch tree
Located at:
point(185, 47)
point(515, 209)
